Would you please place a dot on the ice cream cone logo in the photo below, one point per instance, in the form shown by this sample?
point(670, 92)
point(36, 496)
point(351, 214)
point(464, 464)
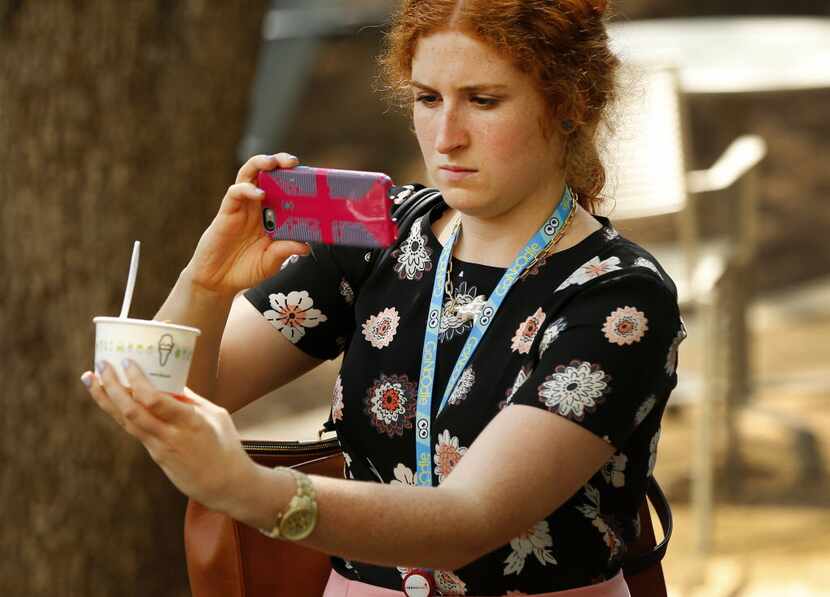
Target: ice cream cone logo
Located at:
point(166, 345)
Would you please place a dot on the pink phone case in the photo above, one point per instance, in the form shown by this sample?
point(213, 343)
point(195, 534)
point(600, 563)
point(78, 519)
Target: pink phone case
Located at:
point(343, 207)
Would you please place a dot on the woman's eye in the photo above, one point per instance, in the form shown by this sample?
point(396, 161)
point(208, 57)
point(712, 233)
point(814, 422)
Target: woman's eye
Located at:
point(484, 102)
point(427, 99)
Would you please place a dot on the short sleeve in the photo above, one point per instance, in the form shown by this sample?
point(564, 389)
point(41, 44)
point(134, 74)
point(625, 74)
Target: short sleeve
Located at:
point(310, 300)
point(608, 358)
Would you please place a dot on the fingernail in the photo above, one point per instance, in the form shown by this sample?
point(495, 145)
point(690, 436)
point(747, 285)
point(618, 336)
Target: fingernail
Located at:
point(125, 364)
point(86, 379)
point(101, 366)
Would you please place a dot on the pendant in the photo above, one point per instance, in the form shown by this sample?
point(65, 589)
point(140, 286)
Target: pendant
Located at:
point(471, 310)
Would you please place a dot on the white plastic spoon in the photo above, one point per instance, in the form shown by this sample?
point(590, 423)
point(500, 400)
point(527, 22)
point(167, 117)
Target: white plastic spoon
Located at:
point(128, 293)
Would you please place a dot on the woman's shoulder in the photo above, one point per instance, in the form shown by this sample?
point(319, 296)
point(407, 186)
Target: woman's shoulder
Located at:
point(607, 256)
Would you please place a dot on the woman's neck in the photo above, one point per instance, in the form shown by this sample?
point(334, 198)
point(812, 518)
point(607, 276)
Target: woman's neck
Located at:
point(496, 241)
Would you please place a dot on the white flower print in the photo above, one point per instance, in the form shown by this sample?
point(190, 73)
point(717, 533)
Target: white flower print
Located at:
point(613, 471)
point(403, 475)
point(289, 261)
point(337, 400)
point(413, 257)
point(552, 333)
point(535, 540)
point(346, 291)
point(523, 375)
point(575, 389)
point(293, 313)
point(449, 583)
point(652, 452)
point(625, 326)
point(448, 452)
point(609, 536)
point(373, 469)
point(590, 270)
point(452, 322)
point(591, 509)
point(610, 232)
point(592, 512)
point(379, 330)
point(643, 262)
point(462, 388)
point(347, 466)
point(671, 357)
point(644, 409)
point(390, 404)
point(350, 567)
point(526, 333)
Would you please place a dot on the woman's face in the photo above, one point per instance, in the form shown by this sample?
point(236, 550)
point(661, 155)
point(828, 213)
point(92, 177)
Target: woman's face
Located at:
point(477, 119)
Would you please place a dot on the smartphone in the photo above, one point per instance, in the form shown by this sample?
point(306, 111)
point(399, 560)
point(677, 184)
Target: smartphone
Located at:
point(342, 207)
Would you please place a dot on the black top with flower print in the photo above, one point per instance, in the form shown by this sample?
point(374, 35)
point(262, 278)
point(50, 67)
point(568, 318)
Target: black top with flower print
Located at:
point(591, 335)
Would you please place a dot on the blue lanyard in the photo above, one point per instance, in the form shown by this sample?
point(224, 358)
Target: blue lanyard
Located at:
point(429, 356)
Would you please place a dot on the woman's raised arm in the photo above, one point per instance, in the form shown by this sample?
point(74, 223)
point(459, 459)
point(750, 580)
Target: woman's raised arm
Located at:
point(238, 357)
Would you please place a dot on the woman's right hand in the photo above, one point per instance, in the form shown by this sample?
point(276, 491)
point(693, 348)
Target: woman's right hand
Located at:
point(234, 253)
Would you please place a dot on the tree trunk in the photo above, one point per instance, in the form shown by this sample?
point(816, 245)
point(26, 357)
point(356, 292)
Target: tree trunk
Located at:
point(118, 121)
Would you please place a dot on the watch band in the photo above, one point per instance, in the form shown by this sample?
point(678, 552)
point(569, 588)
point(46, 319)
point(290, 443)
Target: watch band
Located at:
point(300, 517)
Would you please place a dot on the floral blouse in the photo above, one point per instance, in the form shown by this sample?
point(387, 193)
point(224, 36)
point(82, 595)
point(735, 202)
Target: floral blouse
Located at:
point(590, 335)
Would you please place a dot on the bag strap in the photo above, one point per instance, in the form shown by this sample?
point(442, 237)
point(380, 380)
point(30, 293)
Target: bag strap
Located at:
point(640, 562)
point(405, 211)
point(409, 204)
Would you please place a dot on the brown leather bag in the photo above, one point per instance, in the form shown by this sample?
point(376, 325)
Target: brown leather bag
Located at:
point(226, 558)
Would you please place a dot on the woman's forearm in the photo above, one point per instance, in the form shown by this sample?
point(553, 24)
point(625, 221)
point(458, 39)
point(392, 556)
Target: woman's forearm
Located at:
point(386, 525)
point(188, 305)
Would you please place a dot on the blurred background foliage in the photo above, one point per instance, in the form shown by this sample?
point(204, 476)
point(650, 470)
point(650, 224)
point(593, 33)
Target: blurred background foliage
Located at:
point(120, 121)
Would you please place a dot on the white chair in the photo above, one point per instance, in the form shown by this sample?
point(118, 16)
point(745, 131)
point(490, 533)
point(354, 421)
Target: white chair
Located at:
point(647, 176)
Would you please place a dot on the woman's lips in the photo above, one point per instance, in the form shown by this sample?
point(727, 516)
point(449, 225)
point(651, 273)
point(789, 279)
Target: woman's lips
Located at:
point(455, 174)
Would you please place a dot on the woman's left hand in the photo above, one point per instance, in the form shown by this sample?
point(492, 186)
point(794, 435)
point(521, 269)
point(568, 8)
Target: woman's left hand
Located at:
point(194, 441)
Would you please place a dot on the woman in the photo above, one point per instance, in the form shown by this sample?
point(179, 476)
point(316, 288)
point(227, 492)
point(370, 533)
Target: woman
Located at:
point(529, 479)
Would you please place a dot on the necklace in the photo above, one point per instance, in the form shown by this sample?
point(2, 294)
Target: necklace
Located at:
point(467, 311)
point(548, 250)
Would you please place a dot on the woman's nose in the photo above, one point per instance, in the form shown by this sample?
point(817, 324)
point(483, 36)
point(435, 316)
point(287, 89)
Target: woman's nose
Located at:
point(452, 134)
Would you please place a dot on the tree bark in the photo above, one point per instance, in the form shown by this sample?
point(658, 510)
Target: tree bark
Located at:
point(118, 121)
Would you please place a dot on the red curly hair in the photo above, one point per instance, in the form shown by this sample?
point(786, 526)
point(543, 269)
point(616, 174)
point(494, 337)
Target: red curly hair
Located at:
point(561, 44)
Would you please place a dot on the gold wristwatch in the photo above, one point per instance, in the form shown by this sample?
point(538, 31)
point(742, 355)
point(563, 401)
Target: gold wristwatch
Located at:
point(299, 519)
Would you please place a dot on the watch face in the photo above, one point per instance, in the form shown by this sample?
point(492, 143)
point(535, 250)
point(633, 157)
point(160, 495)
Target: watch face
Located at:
point(298, 524)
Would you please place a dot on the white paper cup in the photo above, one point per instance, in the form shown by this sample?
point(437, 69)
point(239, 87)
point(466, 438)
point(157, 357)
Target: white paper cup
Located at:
point(164, 351)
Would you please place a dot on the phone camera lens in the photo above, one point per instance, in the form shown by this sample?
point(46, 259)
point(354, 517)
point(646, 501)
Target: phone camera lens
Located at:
point(268, 219)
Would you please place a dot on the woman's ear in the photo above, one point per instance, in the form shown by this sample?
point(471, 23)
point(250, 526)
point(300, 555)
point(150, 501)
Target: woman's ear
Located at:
point(570, 115)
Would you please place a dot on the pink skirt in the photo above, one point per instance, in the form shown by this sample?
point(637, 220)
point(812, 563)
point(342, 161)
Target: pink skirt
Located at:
point(339, 586)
